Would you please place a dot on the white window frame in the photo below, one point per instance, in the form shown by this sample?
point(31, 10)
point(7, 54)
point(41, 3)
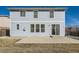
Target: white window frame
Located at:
point(22, 13)
point(18, 27)
point(42, 28)
point(51, 13)
point(35, 14)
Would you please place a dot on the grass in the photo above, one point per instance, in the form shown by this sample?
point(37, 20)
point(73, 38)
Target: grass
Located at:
point(10, 46)
point(7, 42)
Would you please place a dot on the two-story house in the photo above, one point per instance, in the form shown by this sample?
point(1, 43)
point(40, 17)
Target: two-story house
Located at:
point(37, 21)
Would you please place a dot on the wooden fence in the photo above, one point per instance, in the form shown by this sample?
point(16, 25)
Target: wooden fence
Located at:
point(4, 31)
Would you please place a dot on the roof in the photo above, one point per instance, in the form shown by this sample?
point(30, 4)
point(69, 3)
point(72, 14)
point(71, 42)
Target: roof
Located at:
point(31, 9)
point(4, 16)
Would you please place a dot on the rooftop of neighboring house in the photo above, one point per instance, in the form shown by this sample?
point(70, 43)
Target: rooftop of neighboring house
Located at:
point(30, 9)
point(3, 15)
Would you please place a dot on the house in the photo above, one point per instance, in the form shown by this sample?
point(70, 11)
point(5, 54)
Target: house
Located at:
point(4, 21)
point(37, 21)
point(4, 25)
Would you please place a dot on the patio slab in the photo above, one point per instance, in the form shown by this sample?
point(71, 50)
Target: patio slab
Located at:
point(47, 39)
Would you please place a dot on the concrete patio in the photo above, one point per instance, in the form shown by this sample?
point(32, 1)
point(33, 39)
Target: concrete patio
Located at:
point(47, 40)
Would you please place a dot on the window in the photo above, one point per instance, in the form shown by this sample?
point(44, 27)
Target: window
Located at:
point(32, 27)
point(17, 26)
point(42, 27)
point(35, 14)
point(37, 28)
point(51, 14)
point(22, 13)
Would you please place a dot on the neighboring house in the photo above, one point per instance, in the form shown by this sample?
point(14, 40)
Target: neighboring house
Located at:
point(37, 21)
point(4, 21)
point(4, 25)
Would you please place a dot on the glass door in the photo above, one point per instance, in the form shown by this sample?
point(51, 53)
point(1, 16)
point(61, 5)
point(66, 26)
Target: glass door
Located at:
point(55, 29)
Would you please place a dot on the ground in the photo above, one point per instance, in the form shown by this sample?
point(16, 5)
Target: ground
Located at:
point(10, 45)
point(47, 39)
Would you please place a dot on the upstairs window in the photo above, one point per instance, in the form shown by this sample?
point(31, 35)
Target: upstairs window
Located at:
point(22, 13)
point(17, 26)
point(36, 14)
point(51, 14)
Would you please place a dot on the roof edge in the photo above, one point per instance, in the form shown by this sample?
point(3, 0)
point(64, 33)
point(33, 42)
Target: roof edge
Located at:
point(19, 9)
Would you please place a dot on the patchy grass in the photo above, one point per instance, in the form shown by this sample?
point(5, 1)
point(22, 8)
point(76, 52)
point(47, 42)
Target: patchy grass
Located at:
point(7, 42)
point(41, 48)
point(10, 46)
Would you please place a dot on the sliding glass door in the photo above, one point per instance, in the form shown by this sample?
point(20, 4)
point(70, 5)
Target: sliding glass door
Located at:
point(55, 29)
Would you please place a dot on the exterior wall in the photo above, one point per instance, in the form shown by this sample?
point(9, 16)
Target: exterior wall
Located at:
point(4, 22)
point(26, 26)
point(43, 18)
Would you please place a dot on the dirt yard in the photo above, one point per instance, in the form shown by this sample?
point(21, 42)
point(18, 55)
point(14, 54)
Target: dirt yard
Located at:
point(8, 45)
point(47, 39)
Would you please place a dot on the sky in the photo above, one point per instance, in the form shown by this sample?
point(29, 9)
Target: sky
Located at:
point(72, 13)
